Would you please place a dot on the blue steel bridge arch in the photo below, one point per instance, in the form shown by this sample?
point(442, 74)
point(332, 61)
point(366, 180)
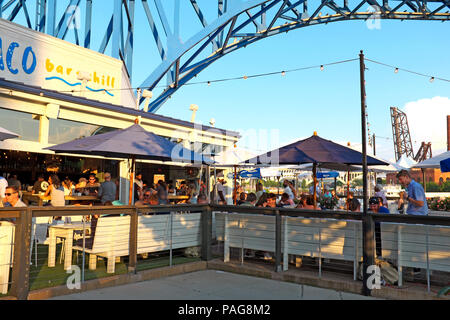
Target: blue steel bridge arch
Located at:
point(244, 21)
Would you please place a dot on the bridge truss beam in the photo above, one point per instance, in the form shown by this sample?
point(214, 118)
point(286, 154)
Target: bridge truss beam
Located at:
point(223, 27)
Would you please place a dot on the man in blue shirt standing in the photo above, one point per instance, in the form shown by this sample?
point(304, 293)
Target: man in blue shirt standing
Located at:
point(417, 202)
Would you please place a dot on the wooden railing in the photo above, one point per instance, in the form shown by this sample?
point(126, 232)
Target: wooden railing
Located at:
point(23, 228)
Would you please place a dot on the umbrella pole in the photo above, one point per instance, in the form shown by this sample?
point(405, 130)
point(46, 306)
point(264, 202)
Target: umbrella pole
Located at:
point(348, 189)
point(315, 184)
point(424, 182)
point(234, 189)
point(215, 184)
point(130, 200)
point(323, 187)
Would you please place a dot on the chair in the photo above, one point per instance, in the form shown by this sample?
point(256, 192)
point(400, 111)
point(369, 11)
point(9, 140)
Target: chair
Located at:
point(39, 234)
point(6, 253)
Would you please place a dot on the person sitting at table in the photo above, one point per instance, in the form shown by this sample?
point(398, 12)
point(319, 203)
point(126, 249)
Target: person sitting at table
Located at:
point(68, 186)
point(262, 201)
point(307, 202)
point(162, 192)
point(242, 198)
point(182, 191)
point(80, 185)
point(56, 192)
point(148, 199)
point(191, 193)
point(286, 202)
point(11, 200)
point(37, 187)
point(107, 190)
point(12, 197)
point(92, 186)
point(354, 205)
point(172, 190)
point(250, 200)
point(201, 199)
point(14, 181)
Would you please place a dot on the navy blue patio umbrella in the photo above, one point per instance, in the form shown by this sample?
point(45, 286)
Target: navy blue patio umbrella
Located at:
point(6, 134)
point(315, 150)
point(131, 143)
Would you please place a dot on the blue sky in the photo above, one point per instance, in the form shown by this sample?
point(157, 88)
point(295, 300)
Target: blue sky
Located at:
point(324, 101)
point(306, 101)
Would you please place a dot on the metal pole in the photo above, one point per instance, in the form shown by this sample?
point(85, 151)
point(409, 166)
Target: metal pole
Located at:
point(367, 222)
point(130, 200)
point(315, 183)
point(235, 189)
point(208, 183)
point(171, 237)
point(84, 247)
point(278, 241)
point(348, 189)
point(374, 153)
point(424, 180)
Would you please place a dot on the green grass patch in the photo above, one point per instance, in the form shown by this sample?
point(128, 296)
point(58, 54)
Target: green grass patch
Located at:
point(42, 276)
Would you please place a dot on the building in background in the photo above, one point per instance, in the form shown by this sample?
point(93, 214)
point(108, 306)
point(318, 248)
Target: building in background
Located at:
point(52, 91)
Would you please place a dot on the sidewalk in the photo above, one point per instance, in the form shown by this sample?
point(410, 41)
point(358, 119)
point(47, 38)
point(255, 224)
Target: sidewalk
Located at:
point(213, 285)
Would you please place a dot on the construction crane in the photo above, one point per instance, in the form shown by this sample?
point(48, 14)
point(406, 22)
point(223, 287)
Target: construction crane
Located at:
point(402, 138)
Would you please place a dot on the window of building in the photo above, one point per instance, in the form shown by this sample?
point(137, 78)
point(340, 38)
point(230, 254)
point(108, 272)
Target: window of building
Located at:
point(21, 123)
point(62, 131)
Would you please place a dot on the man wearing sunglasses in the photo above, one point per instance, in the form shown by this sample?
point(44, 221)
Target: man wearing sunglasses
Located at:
point(148, 199)
point(12, 197)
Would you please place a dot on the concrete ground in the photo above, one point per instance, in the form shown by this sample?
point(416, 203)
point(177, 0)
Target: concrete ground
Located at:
point(213, 285)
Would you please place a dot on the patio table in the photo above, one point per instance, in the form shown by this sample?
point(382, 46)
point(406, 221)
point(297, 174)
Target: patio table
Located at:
point(27, 197)
point(65, 231)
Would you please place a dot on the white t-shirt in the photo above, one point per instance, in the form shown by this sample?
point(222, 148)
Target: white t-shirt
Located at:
point(3, 185)
point(288, 190)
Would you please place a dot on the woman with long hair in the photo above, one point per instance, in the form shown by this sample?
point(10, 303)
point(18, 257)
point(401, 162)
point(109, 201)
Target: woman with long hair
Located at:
point(56, 191)
point(259, 190)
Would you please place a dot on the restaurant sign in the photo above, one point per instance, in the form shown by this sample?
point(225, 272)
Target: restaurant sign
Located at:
point(36, 59)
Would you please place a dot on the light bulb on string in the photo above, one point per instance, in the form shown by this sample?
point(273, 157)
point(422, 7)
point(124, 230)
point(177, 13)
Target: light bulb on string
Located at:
point(396, 70)
point(283, 73)
point(431, 79)
point(209, 83)
point(321, 68)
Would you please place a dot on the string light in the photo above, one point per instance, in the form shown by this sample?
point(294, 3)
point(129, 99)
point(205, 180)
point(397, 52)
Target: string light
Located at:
point(396, 69)
point(245, 77)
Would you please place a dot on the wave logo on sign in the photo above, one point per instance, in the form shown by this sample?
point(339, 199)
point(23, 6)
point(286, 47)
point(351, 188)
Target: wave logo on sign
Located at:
point(104, 80)
point(78, 84)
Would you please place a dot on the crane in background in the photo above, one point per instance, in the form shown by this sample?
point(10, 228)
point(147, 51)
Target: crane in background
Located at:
point(402, 138)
